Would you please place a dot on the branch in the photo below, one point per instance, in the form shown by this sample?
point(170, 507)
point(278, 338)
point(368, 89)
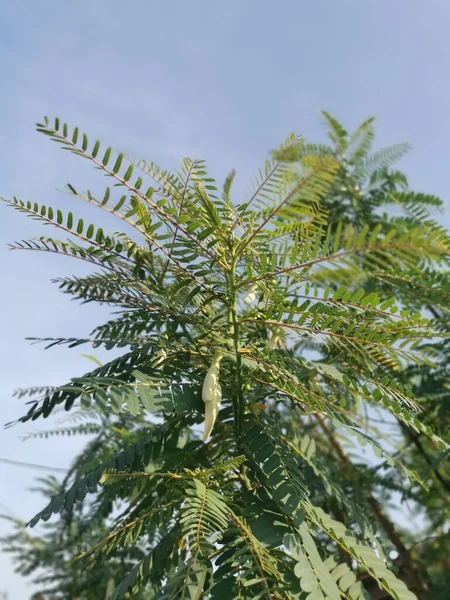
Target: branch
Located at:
point(413, 578)
point(135, 191)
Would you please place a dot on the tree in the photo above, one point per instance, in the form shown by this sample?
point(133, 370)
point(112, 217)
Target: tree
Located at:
point(224, 303)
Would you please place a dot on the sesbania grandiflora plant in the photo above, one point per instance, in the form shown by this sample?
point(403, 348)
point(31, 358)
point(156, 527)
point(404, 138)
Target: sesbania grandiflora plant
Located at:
point(219, 302)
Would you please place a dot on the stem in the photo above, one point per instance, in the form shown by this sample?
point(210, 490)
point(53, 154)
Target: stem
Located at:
point(244, 478)
point(234, 397)
point(234, 331)
point(416, 441)
point(240, 398)
point(233, 324)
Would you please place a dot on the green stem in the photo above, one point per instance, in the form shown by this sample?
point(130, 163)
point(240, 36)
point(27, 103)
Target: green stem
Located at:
point(244, 478)
point(238, 399)
point(234, 397)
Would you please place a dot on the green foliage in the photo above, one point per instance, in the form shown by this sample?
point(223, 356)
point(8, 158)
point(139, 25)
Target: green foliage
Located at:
point(315, 302)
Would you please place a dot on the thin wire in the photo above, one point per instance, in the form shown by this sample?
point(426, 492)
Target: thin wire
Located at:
point(15, 515)
point(32, 465)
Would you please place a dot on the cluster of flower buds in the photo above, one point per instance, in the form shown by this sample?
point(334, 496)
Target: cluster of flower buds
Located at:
point(211, 395)
point(251, 296)
point(274, 337)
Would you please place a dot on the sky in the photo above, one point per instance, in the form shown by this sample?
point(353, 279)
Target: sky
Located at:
point(224, 81)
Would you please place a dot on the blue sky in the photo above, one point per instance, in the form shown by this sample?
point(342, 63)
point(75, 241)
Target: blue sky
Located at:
point(225, 81)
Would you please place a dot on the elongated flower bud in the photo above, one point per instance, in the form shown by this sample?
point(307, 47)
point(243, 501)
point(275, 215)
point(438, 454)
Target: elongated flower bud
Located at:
point(272, 343)
point(273, 336)
point(210, 384)
point(211, 411)
point(251, 296)
point(211, 395)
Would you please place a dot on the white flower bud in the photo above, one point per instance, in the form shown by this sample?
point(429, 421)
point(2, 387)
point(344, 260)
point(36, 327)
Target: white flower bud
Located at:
point(210, 384)
point(272, 343)
point(211, 411)
point(273, 336)
point(251, 296)
point(211, 395)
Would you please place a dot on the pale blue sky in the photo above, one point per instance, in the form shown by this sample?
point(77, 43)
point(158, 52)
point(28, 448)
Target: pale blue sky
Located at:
point(225, 81)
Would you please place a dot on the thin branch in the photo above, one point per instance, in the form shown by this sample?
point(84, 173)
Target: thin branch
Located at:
point(317, 332)
point(136, 192)
point(416, 441)
point(177, 227)
point(19, 463)
point(258, 189)
point(289, 197)
point(89, 259)
point(154, 242)
point(331, 257)
point(85, 239)
point(413, 576)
